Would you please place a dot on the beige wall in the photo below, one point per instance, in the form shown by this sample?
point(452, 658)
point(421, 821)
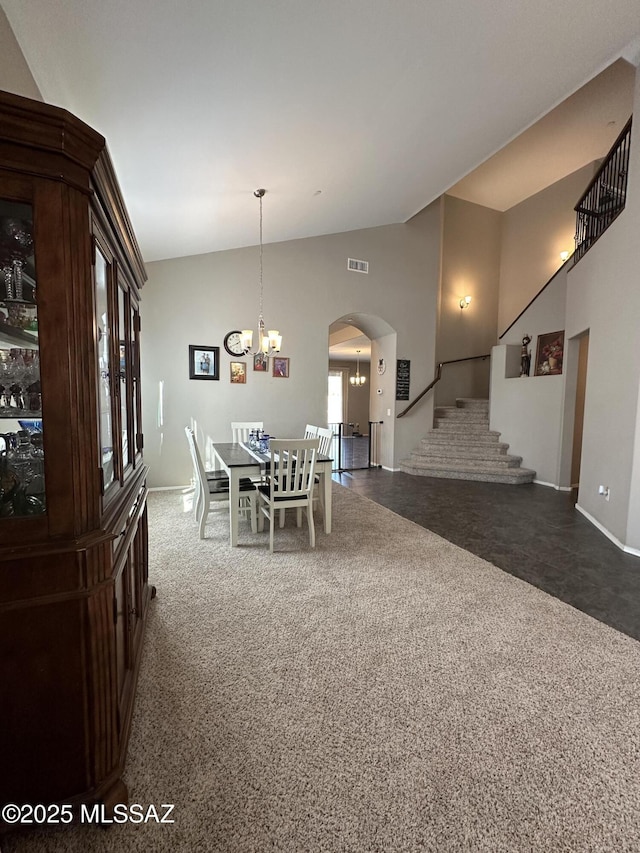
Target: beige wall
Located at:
point(470, 267)
point(604, 298)
point(534, 233)
point(196, 300)
point(15, 75)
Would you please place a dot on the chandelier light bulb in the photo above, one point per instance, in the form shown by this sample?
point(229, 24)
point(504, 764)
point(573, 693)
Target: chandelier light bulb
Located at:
point(357, 380)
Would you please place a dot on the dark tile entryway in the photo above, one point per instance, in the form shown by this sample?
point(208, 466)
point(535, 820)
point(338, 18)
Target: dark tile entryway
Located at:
point(530, 531)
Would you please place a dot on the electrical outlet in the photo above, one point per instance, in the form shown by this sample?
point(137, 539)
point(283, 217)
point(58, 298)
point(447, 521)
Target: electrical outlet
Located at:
point(607, 493)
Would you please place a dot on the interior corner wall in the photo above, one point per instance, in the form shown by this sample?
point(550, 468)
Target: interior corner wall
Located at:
point(383, 408)
point(528, 411)
point(198, 299)
point(470, 266)
point(534, 233)
point(15, 75)
point(603, 296)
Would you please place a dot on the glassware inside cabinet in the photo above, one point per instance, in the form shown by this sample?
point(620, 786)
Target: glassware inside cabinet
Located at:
point(22, 491)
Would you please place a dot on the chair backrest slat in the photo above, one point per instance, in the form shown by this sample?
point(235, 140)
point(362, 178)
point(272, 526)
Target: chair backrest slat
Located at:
point(310, 431)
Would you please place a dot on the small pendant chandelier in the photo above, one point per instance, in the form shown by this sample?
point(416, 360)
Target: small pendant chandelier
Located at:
point(357, 380)
point(268, 343)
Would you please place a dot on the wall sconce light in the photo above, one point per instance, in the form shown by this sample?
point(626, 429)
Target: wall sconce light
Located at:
point(465, 302)
point(564, 256)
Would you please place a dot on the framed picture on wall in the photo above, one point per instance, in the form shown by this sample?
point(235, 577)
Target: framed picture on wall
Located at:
point(280, 367)
point(549, 354)
point(238, 372)
point(204, 362)
point(260, 362)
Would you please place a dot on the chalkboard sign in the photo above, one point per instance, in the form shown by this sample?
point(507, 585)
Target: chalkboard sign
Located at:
point(403, 377)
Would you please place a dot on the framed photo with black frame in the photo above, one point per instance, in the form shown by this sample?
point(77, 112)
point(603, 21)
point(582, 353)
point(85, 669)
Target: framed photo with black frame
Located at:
point(204, 362)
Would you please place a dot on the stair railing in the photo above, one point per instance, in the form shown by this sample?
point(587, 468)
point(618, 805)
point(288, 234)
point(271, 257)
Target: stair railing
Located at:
point(605, 197)
point(437, 379)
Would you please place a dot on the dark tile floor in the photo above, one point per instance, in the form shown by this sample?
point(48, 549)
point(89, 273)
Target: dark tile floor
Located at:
point(530, 531)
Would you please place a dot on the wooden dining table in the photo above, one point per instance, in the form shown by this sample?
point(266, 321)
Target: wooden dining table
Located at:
point(240, 461)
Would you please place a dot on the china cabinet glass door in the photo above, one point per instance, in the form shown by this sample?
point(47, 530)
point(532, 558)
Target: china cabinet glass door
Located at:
point(125, 394)
point(105, 378)
point(22, 490)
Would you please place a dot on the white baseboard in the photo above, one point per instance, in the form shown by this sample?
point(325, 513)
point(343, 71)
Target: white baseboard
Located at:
point(553, 486)
point(170, 488)
point(393, 470)
point(628, 550)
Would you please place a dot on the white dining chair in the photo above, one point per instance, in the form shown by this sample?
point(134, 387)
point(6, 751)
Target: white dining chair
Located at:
point(210, 489)
point(310, 431)
point(240, 430)
point(290, 483)
point(326, 437)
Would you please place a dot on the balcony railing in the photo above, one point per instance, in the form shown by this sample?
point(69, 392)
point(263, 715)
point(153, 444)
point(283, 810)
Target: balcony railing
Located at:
point(605, 197)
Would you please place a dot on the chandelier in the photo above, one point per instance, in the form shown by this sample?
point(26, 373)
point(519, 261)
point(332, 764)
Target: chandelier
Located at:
point(267, 343)
point(357, 380)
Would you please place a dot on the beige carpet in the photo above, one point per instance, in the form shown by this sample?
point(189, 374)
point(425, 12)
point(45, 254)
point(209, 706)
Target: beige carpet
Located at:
point(387, 692)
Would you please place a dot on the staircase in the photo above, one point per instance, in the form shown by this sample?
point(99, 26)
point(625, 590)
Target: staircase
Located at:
point(462, 447)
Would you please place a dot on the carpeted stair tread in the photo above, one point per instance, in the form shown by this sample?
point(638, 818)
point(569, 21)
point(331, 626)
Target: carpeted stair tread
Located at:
point(502, 460)
point(467, 415)
point(461, 450)
point(464, 427)
point(472, 403)
point(451, 436)
point(488, 474)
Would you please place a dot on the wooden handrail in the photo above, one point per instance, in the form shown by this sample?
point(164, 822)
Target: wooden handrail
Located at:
point(437, 379)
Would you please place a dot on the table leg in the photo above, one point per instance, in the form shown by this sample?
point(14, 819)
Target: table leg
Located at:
point(326, 503)
point(234, 499)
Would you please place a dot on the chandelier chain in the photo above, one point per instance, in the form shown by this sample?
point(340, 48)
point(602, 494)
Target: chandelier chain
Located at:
point(261, 291)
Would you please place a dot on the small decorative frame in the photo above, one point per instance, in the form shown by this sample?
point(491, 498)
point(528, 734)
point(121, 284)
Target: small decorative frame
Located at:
point(238, 372)
point(260, 362)
point(280, 367)
point(204, 362)
point(549, 354)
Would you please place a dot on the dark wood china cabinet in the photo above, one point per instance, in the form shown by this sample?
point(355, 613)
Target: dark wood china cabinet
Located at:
point(74, 588)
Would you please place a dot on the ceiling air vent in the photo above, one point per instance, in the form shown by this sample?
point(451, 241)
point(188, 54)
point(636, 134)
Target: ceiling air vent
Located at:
point(357, 266)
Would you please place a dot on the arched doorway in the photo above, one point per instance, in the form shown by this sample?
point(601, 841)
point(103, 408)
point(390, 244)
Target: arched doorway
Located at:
point(360, 347)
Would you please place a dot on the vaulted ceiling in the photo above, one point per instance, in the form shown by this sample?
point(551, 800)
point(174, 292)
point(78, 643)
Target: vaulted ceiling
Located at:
point(352, 113)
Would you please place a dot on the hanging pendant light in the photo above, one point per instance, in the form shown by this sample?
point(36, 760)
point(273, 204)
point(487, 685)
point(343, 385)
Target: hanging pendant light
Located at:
point(268, 342)
point(357, 380)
